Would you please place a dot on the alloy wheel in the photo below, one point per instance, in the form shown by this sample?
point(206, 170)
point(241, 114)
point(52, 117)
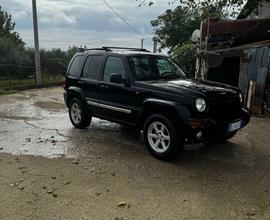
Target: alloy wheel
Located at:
point(76, 113)
point(158, 137)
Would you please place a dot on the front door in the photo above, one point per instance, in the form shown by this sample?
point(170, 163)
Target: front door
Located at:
point(116, 99)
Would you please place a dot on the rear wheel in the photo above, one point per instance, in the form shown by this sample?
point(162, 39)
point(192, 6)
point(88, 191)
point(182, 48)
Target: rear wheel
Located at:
point(161, 137)
point(78, 114)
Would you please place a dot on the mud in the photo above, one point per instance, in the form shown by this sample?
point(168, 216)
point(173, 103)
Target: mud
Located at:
point(49, 170)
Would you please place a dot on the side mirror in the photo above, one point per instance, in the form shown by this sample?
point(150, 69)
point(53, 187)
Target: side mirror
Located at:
point(116, 78)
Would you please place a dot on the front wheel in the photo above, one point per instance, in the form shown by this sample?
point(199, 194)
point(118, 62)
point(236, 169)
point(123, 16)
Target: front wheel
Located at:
point(78, 114)
point(162, 138)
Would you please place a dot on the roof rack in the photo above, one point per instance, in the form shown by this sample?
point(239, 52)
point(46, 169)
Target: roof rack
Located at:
point(125, 48)
point(113, 48)
point(86, 49)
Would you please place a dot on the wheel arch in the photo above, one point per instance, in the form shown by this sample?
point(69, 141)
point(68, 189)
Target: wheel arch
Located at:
point(74, 92)
point(167, 108)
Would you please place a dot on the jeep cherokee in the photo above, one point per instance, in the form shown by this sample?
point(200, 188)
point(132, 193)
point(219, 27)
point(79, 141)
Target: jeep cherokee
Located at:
point(150, 92)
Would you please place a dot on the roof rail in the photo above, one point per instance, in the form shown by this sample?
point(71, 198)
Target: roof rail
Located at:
point(112, 48)
point(125, 48)
point(86, 49)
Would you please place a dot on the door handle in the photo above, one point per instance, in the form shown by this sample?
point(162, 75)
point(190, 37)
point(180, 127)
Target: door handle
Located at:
point(81, 82)
point(104, 86)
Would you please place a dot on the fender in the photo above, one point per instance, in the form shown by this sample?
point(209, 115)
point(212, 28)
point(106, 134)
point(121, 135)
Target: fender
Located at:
point(181, 111)
point(75, 91)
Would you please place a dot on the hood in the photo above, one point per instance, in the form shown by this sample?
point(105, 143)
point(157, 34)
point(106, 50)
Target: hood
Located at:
point(195, 87)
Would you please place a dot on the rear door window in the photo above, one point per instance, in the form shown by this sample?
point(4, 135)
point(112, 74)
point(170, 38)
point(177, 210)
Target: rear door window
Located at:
point(92, 66)
point(75, 68)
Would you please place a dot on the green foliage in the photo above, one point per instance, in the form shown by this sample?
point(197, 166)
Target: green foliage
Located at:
point(185, 56)
point(251, 5)
point(56, 61)
point(175, 27)
point(7, 29)
point(12, 50)
point(228, 7)
point(11, 56)
point(17, 63)
point(10, 53)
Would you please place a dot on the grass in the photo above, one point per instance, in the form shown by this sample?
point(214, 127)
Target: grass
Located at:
point(8, 87)
point(15, 83)
point(26, 82)
point(6, 92)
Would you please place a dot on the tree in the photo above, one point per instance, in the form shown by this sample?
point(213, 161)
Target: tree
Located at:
point(11, 57)
point(7, 28)
point(18, 62)
point(228, 7)
point(184, 55)
point(175, 27)
point(12, 50)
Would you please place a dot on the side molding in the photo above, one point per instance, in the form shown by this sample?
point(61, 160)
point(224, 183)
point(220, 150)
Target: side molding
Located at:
point(109, 107)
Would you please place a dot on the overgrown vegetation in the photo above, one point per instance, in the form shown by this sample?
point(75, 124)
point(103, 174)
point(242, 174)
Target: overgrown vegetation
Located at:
point(17, 62)
point(227, 7)
point(174, 29)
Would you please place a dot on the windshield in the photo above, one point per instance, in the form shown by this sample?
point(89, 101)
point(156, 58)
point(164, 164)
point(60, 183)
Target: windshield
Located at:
point(154, 67)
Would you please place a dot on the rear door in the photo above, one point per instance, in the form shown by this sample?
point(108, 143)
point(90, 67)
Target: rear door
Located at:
point(90, 79)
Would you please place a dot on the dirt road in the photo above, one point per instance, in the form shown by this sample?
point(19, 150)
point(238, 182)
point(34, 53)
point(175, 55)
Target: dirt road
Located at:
point(49, 170)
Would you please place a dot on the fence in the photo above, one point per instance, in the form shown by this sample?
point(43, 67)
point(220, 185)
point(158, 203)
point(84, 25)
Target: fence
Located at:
point(13, 77)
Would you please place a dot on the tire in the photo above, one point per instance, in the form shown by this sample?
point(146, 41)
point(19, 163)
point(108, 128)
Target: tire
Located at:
point(78, 114)
point(224, 138)
point(162, 137)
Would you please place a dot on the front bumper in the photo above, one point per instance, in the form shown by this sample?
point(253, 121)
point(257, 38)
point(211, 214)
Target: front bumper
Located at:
point(200, 130)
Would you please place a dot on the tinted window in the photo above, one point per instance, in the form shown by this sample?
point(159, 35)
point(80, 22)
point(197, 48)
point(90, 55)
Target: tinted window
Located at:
point(154, 67)
point(92, 67)
point(75, 68)
point(114, 65)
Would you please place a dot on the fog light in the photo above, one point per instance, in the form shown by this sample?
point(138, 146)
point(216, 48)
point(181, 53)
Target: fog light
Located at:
point(199, 135)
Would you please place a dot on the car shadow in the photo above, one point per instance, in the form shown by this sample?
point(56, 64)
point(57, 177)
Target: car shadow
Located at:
point(108, 138)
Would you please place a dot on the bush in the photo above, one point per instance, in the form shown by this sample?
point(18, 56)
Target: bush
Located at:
point(185, 56)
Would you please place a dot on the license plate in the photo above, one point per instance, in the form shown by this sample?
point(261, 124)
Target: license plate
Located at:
point(235, 126)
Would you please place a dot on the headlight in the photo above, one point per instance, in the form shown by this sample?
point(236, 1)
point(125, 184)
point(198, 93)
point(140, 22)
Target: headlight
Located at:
point(200, 104)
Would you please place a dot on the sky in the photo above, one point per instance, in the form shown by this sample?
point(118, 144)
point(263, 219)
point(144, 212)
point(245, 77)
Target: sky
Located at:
point(91, 23)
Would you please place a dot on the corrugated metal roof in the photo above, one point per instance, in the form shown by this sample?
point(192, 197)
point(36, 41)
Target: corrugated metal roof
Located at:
point(225, 34)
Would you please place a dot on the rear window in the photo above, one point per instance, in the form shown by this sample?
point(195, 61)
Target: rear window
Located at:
point(75, 68)
point(91, 68)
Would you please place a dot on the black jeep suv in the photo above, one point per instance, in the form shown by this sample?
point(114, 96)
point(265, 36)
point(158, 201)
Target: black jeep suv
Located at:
point(150, 92)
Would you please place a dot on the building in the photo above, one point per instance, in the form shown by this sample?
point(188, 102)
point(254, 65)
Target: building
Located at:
point(237, 53)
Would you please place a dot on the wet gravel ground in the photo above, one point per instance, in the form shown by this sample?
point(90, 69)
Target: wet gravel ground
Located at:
point(49, 170)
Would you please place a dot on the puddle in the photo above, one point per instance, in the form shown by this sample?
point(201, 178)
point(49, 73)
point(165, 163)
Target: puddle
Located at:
point(50, 106)
point(19, 138)
point(42, 128)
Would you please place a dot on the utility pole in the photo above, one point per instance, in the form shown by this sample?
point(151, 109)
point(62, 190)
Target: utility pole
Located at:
point(142, 43)
point(155, 44)
point(37, 54)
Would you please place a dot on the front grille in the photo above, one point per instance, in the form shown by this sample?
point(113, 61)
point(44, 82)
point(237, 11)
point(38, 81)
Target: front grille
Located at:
point(225, 108)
